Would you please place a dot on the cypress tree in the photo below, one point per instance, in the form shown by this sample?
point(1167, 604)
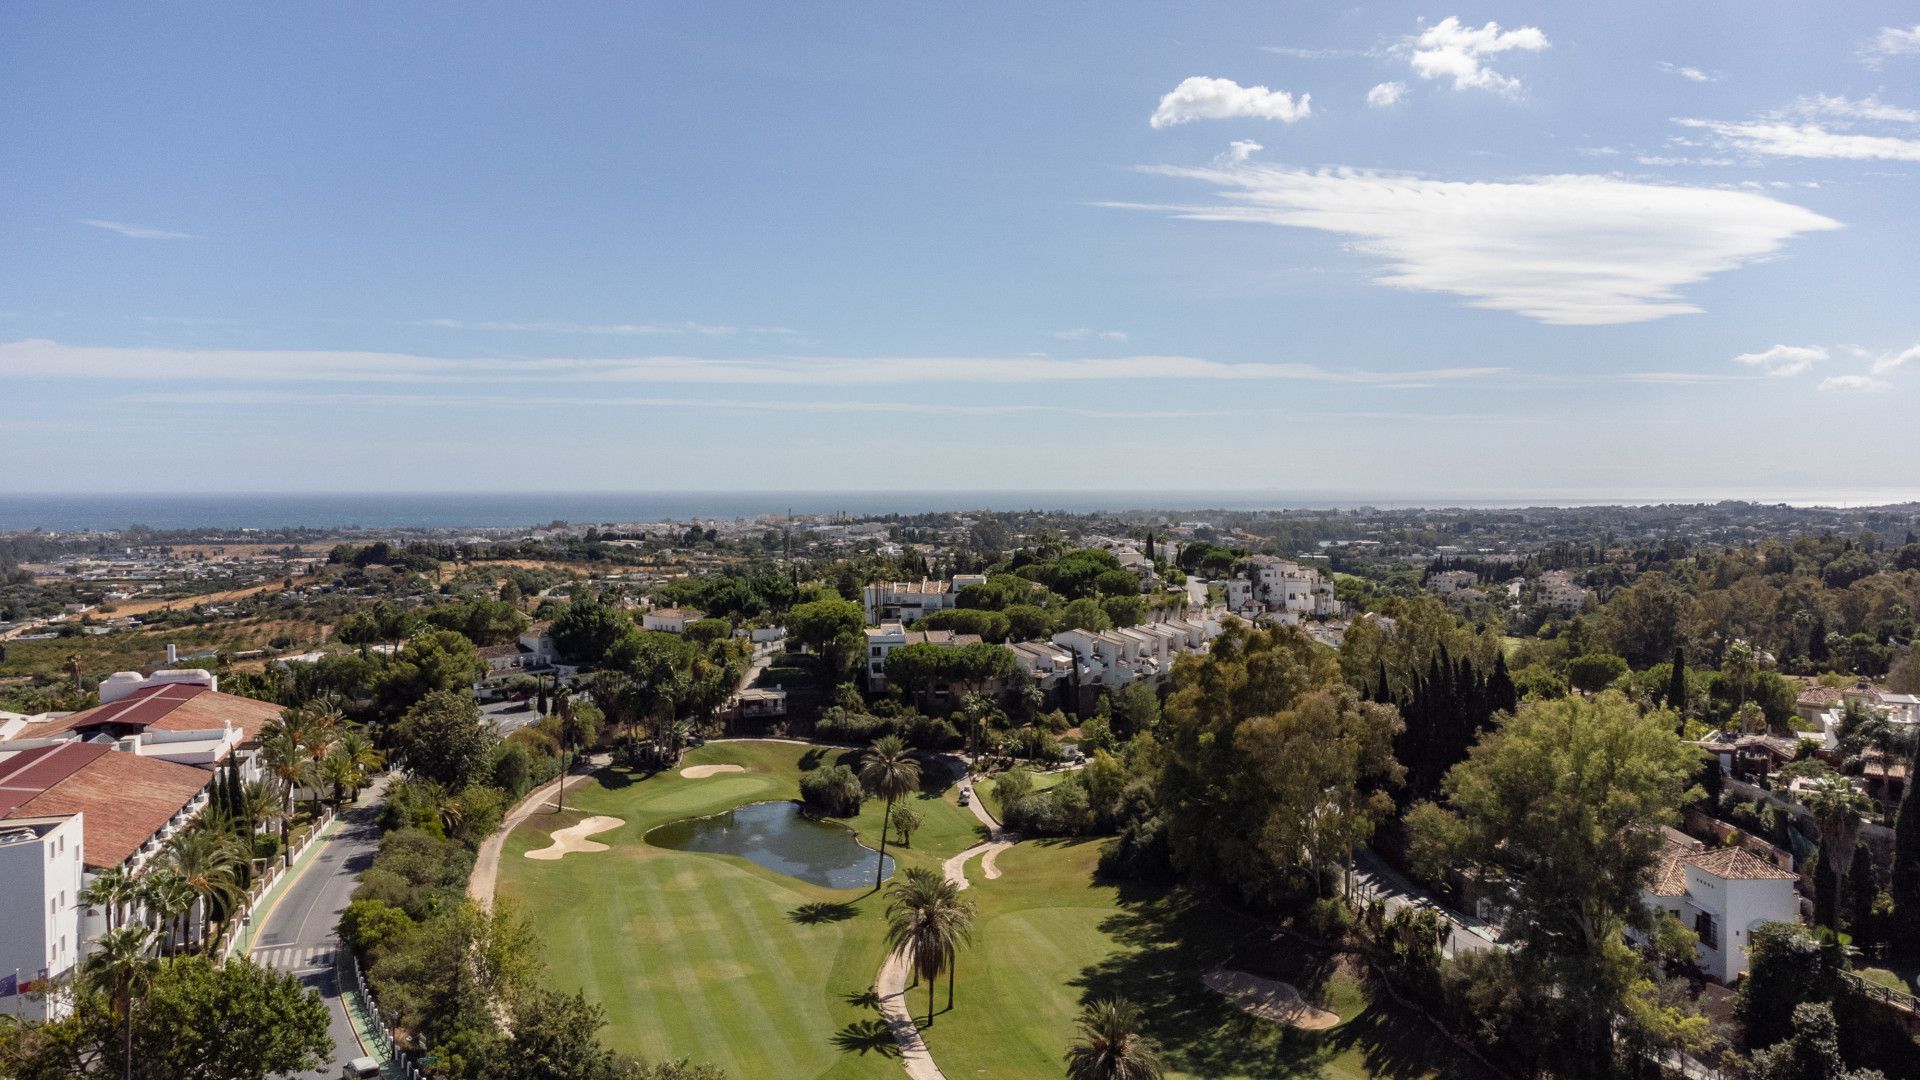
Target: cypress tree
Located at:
point(1817, 640)
point(1904, 881)
point(1501, 695)
point(1864, 888)
point(1677, 681)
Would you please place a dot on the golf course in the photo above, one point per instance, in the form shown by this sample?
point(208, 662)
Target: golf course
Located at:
point(717, 958)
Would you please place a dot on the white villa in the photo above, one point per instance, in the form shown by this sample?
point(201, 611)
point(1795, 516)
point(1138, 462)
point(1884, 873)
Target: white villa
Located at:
point(1722, 894)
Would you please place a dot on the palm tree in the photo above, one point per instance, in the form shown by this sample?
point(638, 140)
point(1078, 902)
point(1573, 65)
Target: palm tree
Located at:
point(1837, 811)
point(112, 889)
point(258, 805)
point(1109, 1045)
point(889, 772)
point(121, 965)
point(73, 668)
point(927, 922)
point(209, 861)
point(283, 748)
point(358, 751)
point(168, 897)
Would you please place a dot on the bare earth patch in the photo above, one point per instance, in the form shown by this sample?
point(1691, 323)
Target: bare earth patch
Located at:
point(1269, 999)
point(701, 772)
point(574, 838)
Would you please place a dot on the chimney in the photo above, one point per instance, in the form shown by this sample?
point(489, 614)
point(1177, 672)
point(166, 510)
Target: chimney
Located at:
point(173, 654)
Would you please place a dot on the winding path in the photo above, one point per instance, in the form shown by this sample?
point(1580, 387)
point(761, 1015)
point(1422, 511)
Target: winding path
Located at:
point(486, 864)
point(891, 985)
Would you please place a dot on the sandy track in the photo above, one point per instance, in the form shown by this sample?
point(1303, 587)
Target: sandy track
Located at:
point(1269, 999)
point(574, 838)
point(701, 772)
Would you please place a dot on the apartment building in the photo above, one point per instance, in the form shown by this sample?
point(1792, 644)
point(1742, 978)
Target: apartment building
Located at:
point(906, 601)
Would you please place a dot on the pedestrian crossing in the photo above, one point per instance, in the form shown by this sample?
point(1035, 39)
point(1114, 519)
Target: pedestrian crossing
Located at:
point(295, 958)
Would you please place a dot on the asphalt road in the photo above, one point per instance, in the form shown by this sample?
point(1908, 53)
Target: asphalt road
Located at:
point(298, 936)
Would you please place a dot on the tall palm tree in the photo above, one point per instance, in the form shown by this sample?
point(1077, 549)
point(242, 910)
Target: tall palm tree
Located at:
point(209, 861)
point(112, 889)
point(888, 771)
point(927, 922)
point(1837, 812)
point(283, 748)
point(121, 965)
point(1109, 1045)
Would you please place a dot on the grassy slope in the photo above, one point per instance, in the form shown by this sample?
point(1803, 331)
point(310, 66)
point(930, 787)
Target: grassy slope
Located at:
point(712, 957)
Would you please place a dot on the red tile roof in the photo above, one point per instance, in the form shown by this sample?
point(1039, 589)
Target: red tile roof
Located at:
point(174, 707)
point(125, 798)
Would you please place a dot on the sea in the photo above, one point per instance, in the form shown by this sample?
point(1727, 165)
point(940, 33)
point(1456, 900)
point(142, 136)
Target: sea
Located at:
point(511, 510)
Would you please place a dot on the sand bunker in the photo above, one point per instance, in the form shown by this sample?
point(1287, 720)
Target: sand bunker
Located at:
point(701, 772)
point(574, 838)
point(1269, 999)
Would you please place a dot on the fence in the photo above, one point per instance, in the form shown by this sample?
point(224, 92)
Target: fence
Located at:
point(398, 1063)
point(1899, 999)
point(243, 929)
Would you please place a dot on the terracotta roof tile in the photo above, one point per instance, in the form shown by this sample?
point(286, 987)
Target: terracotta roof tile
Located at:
point(126, 798)
point(175, 707)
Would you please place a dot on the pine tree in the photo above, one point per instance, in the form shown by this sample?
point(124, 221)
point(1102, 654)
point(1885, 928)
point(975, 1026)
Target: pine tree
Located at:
point(1677, 681)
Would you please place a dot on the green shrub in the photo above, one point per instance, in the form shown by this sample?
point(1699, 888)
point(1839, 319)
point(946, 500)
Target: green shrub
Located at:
point(831, 791)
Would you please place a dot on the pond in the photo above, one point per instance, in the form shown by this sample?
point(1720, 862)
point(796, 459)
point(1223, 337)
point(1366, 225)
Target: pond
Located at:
point(777, 836)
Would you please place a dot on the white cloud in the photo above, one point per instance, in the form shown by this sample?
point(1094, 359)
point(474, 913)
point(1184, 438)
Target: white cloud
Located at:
point(1568, 250)
point(1806, 140)
point(1386, 94)
point(1784, 360)
point(1204, 98)
point(1083, 333)
point(1691, 74)
point(1896, 361)
point(609, 329)
point(1448, 49)
point(1239, 150)
point(137, 232)
point(1892, 41)
point(39, 359)
point(1313, 54)
point(1861, 383)
point(1866, 108)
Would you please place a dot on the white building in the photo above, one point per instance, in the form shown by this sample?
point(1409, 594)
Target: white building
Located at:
point(907, 601)
point(670, 620)
point(1110, 659)
point(1555, 590)
point(888, 636)
point(1722, 894)
point(1448, 582)
point(1282, 590)
point(40, 882)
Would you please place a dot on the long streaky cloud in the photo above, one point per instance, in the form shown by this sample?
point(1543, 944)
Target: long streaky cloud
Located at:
point(1566, 250)
point(38, 359)
point(137, 232)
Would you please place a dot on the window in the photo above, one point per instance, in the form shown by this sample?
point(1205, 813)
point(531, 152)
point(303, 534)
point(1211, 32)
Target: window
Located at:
point(1709, 935)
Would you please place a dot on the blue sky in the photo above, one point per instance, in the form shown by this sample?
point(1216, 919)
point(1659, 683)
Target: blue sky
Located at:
point(1496, 250)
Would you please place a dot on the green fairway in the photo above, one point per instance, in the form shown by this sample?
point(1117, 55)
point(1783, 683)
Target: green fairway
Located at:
point(714, 958)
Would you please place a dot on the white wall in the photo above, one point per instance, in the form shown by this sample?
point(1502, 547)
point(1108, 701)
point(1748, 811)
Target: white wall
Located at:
point(40, 898)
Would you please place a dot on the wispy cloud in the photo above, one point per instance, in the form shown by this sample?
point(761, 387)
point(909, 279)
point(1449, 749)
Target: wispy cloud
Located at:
point(1781, 361)
point(38, 359)
point(1084, 333)
point(1856, 383)
point(1567, 250)
point(1238, 151)
point(137, 232)
point(1895, 361)
point(1691, 74)
point(1889, 42)
point(1450, 50)
point(1819, 126)
point(1296, 53)
point(1386, 94)
point(1204, 98)
point(609, 329)
point(1807, 140)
